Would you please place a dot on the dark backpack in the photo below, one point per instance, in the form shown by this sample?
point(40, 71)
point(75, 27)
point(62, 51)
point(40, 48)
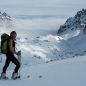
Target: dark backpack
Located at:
point(4, 41)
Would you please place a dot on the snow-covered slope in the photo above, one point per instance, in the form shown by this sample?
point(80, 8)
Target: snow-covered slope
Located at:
point(49, 48)
point(77, 43)
point(69, 72)
point(42, 48)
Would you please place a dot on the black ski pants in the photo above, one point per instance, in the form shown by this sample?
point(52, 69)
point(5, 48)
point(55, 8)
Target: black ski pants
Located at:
point(11, 58)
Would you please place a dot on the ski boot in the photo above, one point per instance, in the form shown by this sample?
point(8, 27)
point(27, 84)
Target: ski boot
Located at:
point(3, 76)
point(14, 76)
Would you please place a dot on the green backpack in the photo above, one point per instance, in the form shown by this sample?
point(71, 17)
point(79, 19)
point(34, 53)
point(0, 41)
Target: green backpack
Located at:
point(4, 40)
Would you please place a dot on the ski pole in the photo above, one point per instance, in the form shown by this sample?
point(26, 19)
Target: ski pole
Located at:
point(19, 59)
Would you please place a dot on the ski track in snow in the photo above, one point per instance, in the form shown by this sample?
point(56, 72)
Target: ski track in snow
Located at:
point(63, 73)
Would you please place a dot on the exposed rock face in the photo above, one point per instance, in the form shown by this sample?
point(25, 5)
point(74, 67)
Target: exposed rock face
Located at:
point(78, 22)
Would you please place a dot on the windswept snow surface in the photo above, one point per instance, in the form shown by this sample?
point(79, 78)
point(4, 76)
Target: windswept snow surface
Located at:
point(63, 72)
point(68, 72)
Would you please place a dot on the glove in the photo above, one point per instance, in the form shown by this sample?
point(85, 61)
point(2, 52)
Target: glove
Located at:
point(19, 53)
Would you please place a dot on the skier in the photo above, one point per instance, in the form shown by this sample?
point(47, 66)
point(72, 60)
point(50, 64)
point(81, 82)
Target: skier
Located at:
point(10, 57)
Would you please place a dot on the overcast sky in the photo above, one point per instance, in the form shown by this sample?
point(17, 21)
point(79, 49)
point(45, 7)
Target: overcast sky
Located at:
point(24, 6)
point(43, 2)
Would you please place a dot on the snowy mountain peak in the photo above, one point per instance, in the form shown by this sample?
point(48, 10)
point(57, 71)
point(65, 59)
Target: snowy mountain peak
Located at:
point(74, 25)
point(80, 13)
point(4, 16)
point(5, 20)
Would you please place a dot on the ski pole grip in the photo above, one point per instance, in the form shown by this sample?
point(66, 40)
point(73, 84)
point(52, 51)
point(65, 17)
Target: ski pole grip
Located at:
point(19, 53)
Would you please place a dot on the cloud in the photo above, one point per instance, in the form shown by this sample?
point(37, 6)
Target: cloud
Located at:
point(39, 26)
point(42, 2)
